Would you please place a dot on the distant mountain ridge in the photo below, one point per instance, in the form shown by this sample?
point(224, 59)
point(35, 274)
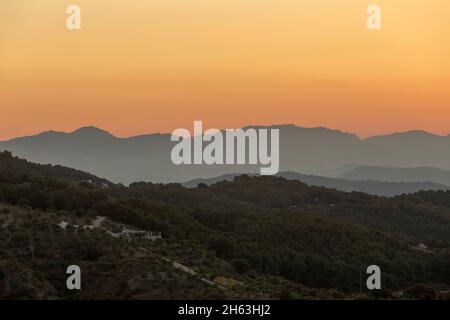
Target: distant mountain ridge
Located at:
point(313, 151)
point(379, 188)
point(394, 174)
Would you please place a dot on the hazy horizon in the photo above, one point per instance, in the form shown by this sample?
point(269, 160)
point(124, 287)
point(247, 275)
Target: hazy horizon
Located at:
point(230, 63)
point(190, 128)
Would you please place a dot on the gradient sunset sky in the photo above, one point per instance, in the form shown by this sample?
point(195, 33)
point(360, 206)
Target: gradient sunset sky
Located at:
point(141, 66)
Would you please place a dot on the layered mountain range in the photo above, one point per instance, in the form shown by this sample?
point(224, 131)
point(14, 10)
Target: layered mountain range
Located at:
point(406, 157)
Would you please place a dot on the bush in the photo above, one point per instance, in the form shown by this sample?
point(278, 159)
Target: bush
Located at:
point(221, 246)
point(241, 266)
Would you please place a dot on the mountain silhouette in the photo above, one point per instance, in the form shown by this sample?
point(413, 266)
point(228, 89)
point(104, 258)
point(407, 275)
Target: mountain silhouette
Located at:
point(311, 151)
point(379, 188)
point(393, 174)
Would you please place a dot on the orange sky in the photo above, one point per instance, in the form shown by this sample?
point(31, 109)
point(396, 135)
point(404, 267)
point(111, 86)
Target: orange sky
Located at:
point(140, 66)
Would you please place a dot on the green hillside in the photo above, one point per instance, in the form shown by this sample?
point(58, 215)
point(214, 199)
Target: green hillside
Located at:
point(254, 237)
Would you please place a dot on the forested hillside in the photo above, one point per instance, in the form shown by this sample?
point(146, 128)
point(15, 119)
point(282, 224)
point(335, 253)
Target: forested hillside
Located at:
point(249, 238)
